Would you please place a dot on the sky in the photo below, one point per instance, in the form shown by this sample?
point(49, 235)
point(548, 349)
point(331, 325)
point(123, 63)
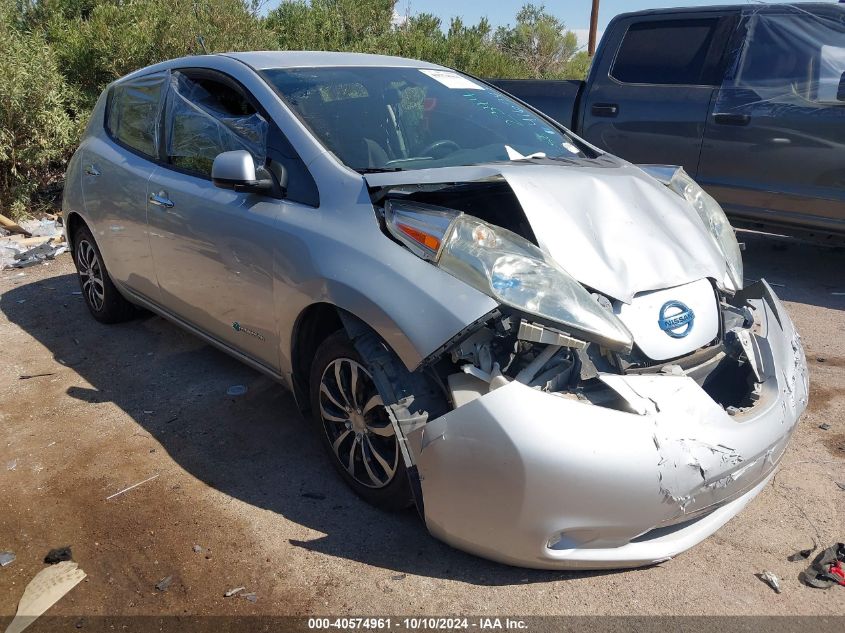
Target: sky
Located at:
point(575, 13)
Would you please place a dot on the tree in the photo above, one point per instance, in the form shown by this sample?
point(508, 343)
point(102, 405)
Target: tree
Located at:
point(97, 42)
point(37, 125)
point(539, 41)
point(340, 25)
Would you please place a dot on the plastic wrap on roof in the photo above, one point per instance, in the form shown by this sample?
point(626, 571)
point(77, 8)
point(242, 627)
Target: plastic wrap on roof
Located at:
point(790, 59)
point(200, 127)
point(135, 111)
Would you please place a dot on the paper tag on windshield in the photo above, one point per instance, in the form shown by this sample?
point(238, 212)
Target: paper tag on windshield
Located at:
point(451, 79)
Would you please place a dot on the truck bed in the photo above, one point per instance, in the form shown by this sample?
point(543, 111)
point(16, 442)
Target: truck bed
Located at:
point(555, 98)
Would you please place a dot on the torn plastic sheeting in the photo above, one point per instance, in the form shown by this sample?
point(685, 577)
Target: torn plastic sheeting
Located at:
point(770, 579)
point(199, 128)
point(41, 228)
point(790, 60)
point(14, 255)
point(135, 110)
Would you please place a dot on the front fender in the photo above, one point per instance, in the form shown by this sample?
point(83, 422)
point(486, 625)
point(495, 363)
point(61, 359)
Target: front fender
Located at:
point(414, 315)
point(340, 256)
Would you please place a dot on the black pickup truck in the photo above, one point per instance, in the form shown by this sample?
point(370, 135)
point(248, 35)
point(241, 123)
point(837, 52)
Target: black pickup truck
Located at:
point(750, 99)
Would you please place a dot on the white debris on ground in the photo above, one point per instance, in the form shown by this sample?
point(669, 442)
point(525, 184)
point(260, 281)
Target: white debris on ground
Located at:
point(46, 241)
point(46, 227)
point(43, 591)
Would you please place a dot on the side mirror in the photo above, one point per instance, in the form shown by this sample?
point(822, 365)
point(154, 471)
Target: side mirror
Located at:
point(840, 94)
point(236, 170)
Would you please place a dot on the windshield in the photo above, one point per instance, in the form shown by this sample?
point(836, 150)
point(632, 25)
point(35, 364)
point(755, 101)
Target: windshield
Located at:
point(412, 118)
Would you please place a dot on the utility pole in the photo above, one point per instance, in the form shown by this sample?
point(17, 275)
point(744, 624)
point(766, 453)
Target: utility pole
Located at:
point(594, 25)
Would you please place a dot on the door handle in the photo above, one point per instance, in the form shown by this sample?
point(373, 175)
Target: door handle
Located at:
point(723, 118)
point(605, 109)
point(91, 170)
point(160, 199)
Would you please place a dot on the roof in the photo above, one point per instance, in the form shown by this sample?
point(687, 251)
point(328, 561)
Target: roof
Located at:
point(262, 60)
point(811, 7)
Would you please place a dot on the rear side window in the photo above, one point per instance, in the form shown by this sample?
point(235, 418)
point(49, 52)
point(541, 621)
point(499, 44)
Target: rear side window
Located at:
point(134, 112)
point(675, 52)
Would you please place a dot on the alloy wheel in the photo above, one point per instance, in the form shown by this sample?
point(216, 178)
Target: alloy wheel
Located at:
point(91, 274)
point(355, 421)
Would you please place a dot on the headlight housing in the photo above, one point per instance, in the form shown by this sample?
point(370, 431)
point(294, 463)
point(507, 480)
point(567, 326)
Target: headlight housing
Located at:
point(714, 219)
point(505, 266)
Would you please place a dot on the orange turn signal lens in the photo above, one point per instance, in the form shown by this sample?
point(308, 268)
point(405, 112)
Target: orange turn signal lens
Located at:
point(427, 240)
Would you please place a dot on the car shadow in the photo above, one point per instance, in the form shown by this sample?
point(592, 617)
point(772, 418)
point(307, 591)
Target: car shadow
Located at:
point(255, 448)
point(799, 271)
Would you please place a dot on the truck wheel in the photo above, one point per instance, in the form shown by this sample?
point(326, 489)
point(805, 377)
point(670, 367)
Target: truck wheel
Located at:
point(104, 301)
point(354, 426)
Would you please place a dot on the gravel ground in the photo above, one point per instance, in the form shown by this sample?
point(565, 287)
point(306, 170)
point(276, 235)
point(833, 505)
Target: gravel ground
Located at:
point(243, 496)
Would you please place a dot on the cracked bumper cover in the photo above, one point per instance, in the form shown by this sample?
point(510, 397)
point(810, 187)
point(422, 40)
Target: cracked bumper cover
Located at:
point(537, 480)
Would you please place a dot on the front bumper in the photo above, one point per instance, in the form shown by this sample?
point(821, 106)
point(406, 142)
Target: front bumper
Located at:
point(537, 480)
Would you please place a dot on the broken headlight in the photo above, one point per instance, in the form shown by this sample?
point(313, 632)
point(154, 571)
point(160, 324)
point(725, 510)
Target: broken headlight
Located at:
point(506, 267)
point(714, 219)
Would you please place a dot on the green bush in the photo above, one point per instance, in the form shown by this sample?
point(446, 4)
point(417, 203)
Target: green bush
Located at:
point(96, 46)
point(37, 124)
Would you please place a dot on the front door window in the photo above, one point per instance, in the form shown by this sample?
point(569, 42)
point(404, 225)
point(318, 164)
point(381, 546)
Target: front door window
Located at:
point(205, 118)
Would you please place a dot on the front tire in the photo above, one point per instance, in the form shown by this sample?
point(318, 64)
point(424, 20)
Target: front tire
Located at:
point(354, 427)
point(103, 299)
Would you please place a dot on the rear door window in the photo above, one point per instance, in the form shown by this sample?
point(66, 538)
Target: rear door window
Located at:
point(675, 52)
point(134, 113)
point(793, 56)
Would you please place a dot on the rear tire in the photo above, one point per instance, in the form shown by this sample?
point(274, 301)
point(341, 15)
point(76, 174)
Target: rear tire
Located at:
point(354, 427)
point(103, 299)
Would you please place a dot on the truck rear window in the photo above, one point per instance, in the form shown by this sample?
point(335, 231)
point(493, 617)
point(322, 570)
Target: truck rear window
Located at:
point(667, 52)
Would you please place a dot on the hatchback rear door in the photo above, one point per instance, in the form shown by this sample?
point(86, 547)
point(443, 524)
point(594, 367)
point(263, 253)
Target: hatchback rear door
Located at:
point(117, 163)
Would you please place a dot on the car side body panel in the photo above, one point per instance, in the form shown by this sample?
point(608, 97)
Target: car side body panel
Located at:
point(106, 185)
point(214, 260)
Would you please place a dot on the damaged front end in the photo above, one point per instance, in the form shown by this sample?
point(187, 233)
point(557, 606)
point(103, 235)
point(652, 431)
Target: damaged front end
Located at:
point(574, 428)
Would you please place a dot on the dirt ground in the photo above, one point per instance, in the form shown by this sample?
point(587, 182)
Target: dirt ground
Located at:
point(87, 410)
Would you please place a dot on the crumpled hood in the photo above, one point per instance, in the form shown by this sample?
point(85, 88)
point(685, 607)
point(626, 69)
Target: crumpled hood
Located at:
point(616, 230)
point(607, 223)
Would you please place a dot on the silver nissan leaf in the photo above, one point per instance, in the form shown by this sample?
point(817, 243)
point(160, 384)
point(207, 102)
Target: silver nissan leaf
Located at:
point(549, 351)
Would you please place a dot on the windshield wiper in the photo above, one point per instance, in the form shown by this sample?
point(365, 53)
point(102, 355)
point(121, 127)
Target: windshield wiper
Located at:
point(377, 170)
